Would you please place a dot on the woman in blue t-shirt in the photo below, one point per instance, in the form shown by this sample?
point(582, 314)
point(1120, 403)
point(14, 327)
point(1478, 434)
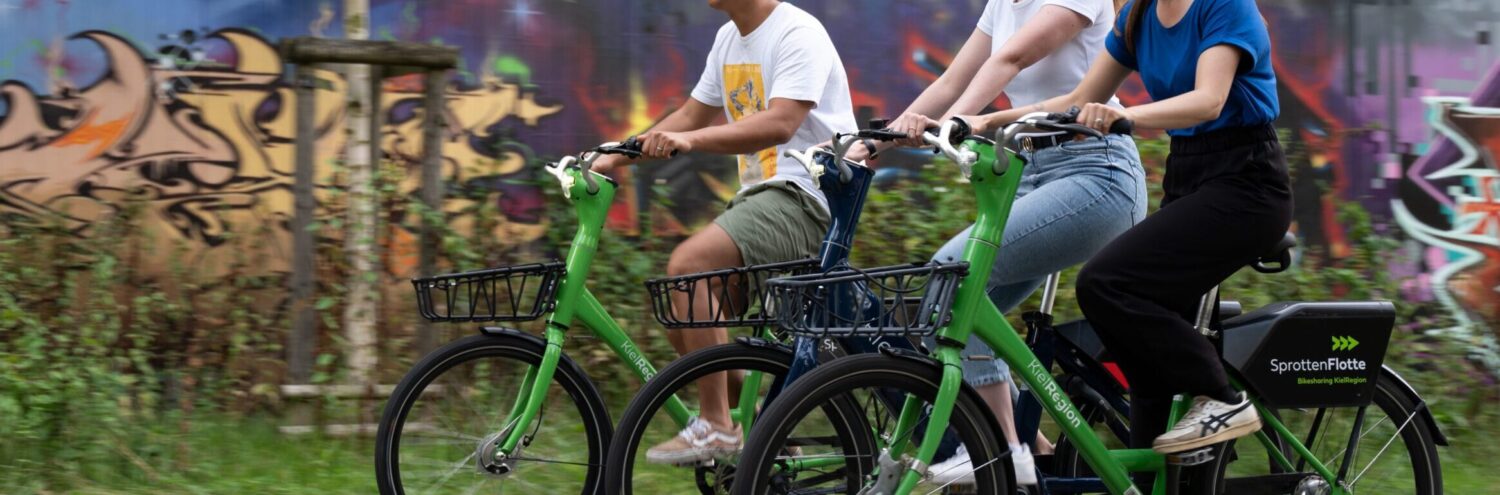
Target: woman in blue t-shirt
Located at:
point(1207, 67)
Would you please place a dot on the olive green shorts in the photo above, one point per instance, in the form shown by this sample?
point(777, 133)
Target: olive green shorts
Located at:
point(774, 221)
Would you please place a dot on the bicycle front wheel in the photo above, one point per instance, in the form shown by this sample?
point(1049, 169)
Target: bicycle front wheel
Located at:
point(796, 437)
point(441, 427)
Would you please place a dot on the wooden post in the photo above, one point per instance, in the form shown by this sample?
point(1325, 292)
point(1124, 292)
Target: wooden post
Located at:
point(299, 347)
point(432, 185)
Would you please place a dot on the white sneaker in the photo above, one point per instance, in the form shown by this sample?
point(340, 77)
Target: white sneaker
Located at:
point(1025, 465)
point(1209, 422)
point(955, 470)
point(699, 442)
point(959, 470)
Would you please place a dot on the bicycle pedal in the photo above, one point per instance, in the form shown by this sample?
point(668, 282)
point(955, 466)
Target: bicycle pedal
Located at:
point(1191, 457)
point(706, 463)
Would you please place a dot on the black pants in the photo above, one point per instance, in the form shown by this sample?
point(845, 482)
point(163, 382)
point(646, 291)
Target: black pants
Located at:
point(1227, 203)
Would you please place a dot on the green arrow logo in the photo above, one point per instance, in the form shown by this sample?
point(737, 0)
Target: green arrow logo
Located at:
point(1344, 343)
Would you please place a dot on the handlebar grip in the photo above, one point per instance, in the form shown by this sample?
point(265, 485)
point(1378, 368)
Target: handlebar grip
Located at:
point(1122, 126)
point(633, 145)
point(961, 131)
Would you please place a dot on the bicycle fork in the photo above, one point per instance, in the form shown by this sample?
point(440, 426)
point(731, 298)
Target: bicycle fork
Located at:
point(574, 300)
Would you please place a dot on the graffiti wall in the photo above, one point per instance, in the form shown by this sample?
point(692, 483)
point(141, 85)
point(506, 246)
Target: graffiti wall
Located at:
point(1392, 103)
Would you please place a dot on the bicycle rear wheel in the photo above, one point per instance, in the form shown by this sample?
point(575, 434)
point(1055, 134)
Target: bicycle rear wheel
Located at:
point(1395, 452)
point(796, 435)
point(439, 428)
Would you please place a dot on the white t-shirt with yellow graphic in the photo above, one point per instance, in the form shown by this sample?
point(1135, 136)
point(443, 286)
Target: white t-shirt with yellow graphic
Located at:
point(788, 56)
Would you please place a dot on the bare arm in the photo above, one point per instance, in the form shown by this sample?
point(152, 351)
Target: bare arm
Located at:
point(940, 95)
point(1103, 79)
point(767, 128)
point(1211, 83)
point(1043, 34)
point(690, 116)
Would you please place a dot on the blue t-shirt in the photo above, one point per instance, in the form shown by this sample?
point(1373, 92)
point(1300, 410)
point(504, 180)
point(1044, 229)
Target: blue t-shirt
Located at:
point(1167, 58)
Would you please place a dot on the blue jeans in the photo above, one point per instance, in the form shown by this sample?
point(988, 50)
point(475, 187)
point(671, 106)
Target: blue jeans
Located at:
point(1074, 198)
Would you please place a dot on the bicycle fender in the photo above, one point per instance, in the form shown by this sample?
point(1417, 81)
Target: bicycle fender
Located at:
point(911, 355)
point(1426, 412)
point(763, 344)
point(511, 332)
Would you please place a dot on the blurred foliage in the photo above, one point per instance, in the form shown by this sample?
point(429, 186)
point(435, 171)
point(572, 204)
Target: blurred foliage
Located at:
point(107, 376)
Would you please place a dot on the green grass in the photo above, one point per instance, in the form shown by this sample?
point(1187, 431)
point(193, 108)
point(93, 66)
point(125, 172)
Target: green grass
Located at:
point(242, 457)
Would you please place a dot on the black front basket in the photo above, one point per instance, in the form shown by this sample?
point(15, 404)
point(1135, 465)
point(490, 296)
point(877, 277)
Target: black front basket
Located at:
point(512, 293)
point(904, 300)
point(732, 295)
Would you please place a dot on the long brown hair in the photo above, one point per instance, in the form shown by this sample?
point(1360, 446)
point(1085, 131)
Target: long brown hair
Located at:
point(1133, 22)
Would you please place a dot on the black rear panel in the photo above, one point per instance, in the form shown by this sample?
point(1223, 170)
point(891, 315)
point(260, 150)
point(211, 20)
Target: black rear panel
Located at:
point(1310, 354)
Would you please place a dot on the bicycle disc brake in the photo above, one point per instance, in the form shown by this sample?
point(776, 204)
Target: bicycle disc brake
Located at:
point(491, 462)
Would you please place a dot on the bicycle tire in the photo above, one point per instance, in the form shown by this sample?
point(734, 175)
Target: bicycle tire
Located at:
point(971, 419)
point(773, 360)
point(1415, 435)
point(519, 349)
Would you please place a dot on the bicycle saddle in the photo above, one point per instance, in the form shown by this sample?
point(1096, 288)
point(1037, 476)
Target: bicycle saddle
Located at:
point(1279, 258)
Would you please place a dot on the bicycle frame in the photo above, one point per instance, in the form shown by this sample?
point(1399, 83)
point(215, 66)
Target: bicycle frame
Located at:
point(1027, 419)
point(995, 189)
point(574, 301)
point(973, 313)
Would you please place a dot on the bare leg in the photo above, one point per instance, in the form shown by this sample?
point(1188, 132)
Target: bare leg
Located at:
point(997, 395)
point(709, 249)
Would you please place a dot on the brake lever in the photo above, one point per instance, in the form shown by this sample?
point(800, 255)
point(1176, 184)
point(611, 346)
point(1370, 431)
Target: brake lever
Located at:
point(1074, 128)
point(841, 143)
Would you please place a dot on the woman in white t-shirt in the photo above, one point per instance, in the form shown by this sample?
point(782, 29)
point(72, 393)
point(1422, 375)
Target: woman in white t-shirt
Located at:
point(1075, 196)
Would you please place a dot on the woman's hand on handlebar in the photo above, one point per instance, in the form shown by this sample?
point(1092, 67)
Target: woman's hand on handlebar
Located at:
point(1100, 117)
point(664, 144)
point(913, 125)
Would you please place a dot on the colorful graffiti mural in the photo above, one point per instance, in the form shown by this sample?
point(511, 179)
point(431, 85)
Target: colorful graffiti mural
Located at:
point(1386, 103)
point(209, 144)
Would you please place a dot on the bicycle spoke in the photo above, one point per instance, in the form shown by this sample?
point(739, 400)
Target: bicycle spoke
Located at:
point(976, 468)
point(1387, 445)
point(1363, 434)
point(553, 461)
point(456, 468)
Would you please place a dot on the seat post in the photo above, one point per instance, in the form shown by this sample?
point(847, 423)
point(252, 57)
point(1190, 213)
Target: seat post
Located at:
point(1206, 311)
point(1049, 292)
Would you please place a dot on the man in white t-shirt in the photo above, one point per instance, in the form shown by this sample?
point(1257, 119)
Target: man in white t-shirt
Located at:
point(774, 73)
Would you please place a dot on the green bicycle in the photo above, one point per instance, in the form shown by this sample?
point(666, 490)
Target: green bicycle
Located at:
point(475, 415)
point(948, 300)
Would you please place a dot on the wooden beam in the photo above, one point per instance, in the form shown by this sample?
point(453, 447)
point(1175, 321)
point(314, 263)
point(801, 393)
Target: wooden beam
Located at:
point(309, 50)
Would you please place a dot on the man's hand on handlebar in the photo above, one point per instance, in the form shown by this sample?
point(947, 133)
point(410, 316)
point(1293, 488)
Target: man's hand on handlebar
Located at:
point(663, 144)
point(1100, 117)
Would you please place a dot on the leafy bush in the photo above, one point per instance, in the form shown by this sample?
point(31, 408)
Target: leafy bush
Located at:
point(104, 372)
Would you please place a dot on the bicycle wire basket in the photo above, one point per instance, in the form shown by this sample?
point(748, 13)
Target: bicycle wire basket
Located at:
point(512, 293)
point(903, 300)
point(732, 295)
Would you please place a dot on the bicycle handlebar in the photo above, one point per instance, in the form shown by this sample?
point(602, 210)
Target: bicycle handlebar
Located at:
point(952, 132)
